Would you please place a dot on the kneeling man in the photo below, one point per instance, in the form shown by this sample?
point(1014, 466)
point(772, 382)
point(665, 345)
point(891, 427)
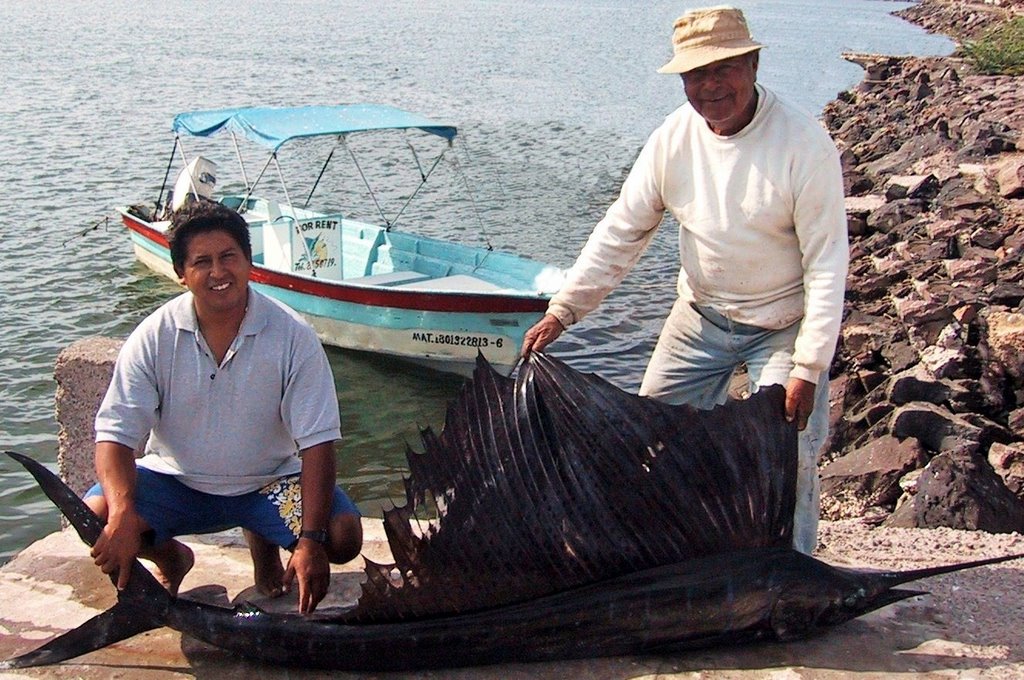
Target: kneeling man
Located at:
point(238, 401)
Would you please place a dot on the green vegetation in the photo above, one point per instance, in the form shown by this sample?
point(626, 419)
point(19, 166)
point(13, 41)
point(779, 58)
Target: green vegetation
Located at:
point(999, 52)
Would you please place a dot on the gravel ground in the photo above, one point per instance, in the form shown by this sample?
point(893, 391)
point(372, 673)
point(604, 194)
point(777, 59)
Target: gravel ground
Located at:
point(977, 615)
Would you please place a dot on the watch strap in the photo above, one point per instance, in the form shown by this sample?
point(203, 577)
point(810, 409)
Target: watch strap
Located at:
point(319, 535)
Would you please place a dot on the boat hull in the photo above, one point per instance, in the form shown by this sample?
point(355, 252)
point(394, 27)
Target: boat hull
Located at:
point(441, 329)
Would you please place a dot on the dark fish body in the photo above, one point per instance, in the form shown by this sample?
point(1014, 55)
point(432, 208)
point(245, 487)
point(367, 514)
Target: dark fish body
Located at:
point(573, 520)
point(705, 601)
point(765, 594)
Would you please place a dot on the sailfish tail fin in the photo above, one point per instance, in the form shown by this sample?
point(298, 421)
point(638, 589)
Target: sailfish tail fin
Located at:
point(142, 605)
point(81, 517)
point(142, 585)
point(120, 622)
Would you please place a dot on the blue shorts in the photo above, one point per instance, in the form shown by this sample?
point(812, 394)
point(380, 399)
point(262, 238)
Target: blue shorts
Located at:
point(172, 509)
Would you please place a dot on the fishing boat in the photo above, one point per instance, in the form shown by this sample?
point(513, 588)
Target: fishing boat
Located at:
point(362, 285)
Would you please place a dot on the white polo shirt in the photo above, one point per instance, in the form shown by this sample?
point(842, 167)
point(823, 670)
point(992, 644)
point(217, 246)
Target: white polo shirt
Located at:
point(226, 429)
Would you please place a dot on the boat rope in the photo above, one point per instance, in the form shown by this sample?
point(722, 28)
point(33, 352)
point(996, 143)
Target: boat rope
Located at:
point(105, 221)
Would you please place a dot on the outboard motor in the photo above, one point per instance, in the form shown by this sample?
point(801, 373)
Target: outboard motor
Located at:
point(198, 178)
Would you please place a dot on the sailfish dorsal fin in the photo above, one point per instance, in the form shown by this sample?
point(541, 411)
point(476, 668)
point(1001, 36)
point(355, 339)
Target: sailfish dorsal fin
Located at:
point(557, 479)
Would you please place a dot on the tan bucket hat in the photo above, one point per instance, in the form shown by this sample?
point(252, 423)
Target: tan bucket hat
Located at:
point(707, 35)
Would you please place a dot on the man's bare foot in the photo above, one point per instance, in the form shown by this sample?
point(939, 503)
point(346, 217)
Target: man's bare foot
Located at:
point(173, 561)
point(268, 572)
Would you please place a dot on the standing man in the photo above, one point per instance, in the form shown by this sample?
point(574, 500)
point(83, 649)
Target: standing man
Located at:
point(239, 405)
point(757, 190)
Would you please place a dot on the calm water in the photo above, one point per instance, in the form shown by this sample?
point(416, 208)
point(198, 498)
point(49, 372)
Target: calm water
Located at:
point(554, 100)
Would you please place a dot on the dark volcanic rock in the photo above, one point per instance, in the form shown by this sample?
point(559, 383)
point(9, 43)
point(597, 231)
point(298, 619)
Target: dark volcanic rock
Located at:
point(932, 346)
point(960, 491)
point(1008, 294)
point(1008, 463)
point(959, 194)
point(900, 355)
point(936, 428)
point(918, 385)
point(867, 477)
point(910, 151)
point(895, 214)
point(911, 186)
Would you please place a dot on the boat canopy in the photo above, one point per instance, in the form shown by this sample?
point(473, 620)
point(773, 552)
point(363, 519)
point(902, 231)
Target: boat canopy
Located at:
point(271, 127)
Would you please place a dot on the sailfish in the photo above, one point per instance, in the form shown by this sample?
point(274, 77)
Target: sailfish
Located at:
point(554, 516)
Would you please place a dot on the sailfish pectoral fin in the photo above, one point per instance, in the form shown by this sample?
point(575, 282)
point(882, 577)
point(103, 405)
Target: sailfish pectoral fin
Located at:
point(120, 622)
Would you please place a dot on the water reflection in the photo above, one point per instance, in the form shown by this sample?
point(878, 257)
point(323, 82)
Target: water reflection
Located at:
point(383, 404)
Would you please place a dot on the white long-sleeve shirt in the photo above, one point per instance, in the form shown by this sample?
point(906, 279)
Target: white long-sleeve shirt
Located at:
point(762, 235)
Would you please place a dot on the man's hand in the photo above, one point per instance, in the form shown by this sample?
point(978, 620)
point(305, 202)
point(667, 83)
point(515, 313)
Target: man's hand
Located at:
point(542, 334)
point(799, 401)
point(118, 545)
point(310, 565)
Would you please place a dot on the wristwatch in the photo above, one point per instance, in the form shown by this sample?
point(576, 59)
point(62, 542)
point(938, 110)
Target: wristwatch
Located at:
point(320, 535)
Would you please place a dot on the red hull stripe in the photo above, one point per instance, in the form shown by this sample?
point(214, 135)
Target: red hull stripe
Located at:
point(375, 297)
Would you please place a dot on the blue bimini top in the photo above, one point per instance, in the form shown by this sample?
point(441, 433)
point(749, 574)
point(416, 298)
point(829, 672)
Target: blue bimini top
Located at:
point(271, 126)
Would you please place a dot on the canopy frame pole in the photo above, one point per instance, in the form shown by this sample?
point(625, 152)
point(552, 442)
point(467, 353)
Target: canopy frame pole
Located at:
point(320, 176)
point(469, 190)
point(424, 177)
point(373, 196)
point(416, 157)
point(293, 217)
point(241, 163)
point(167, 173)
point(423, 182)
point(284, 187)
point(248, 190)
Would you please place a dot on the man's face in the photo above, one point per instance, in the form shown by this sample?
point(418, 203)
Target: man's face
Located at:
point(217, 272)
point(723, 92)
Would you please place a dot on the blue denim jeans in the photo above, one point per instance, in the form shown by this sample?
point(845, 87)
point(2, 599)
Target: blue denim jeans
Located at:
point(693, 363)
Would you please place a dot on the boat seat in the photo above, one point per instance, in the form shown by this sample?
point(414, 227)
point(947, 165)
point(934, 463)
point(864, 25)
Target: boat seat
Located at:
point(388, 278)
point(461, 282)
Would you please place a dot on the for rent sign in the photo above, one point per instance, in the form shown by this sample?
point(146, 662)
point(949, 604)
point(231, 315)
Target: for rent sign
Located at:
point(316, 247)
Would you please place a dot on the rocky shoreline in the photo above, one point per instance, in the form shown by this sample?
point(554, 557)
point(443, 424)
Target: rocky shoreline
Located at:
point(927, 416)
